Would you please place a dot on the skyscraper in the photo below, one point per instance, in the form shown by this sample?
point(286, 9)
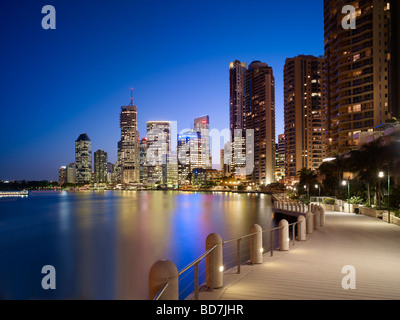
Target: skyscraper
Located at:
point(394, 74)
point(71, 173)
point(100, 166)
point(142, 160)
point(62, 175)
point(188, 155)
point(83, 159)
point(357, 70)
point(259, 115)
point(158, 145)
point(237, 71)
point(305, 125)
point(129, 146)
point(280, 162)
point(202, 126)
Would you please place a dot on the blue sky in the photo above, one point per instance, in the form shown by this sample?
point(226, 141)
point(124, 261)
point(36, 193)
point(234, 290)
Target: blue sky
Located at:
point(57, 84)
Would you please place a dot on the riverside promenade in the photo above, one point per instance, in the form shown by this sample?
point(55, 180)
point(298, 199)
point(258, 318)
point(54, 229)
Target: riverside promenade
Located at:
point(312, 269)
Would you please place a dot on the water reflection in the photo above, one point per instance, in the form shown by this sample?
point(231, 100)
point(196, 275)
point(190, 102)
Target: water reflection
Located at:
point(103, 244)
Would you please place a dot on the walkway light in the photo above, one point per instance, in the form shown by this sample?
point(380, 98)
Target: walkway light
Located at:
point(381, 174)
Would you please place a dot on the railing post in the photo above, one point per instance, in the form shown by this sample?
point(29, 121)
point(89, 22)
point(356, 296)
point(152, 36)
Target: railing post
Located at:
point(322, 211)
point(283, 235)
point(301, 228)
point(316, 218)
point(256, 245)
point(309, 222)
point(161, 273)
point(214, 262)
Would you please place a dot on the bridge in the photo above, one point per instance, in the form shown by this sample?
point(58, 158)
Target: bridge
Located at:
point(346, 256)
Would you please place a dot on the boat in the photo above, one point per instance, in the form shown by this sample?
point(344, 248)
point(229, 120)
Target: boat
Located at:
point(23, 193)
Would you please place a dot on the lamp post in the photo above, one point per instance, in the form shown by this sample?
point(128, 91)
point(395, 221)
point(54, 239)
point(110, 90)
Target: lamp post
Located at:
point(344, 182)
point(308, 191)
point(317, 186)
point(381, 175)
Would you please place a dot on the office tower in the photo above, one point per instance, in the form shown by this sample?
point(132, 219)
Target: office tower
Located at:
point(280, 162)
point(71, 173)
point(188, 155)
point(142, 160)
point(357, 70)
point(100, 166)
point(237, 71)
point(110, 173)
point(170, 170)
point(129, 147)
point(158, 144)
point(259, 115)
point(394, 69)
point(305, 124)
point(62, 175)
point(83, 159)
point(202, 126)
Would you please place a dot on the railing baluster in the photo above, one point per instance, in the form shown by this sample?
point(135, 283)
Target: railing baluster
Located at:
point(272, 243)
point(293, 234)
point(238, 255)
point(196, 281)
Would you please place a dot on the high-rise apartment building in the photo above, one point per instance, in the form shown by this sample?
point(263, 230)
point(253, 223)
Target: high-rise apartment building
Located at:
point(100, 166)
point(305, 119)
point(129, 145)
point(237, 71)
point(83, 159)
point(259, 115)
point(394, 74)
point(357, 70)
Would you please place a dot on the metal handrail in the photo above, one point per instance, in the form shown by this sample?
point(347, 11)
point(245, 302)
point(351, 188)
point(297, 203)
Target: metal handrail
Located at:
point(159, 294)
point(196, 262)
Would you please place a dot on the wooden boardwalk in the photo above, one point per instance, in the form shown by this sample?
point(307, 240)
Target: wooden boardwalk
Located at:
point(312, 270)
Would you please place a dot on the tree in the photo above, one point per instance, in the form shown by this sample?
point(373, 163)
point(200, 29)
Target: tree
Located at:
point(308, 178)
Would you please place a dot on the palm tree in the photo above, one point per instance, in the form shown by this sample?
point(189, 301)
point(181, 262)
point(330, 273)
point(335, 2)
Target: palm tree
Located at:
point(308, 178)
point(333, 171)
point(366, 163)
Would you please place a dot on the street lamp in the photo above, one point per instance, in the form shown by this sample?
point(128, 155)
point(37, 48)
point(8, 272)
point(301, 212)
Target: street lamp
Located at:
point(308, 191)
point(344, 182)
point(317, 186)
point(381, 175)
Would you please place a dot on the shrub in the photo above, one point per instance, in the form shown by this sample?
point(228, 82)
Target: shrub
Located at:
point(356, 200)
point(329, 201)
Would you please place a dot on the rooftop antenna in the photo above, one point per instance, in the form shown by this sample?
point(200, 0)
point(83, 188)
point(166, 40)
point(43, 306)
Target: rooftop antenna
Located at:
point(131, 104)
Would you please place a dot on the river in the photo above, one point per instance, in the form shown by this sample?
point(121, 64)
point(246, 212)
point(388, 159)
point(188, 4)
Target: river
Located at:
point(103, 244)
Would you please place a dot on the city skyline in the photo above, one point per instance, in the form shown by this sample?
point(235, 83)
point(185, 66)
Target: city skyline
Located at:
point(75, 82)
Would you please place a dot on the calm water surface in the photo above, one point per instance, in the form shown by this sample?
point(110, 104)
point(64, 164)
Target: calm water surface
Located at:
point(103, 244)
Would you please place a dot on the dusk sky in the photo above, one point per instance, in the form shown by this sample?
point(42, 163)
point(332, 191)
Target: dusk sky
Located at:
point(57, 84)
